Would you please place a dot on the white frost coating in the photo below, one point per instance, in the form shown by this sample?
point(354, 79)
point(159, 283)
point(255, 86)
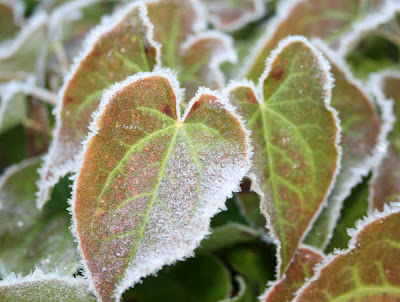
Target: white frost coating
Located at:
point(107, 24)
point(226, 53)
point(393, 208)
point(248, 16)
point(369, 23)
point(258, 90)
point(388, 118)
point(35, 22)
point(283, 11)
point(18, 9)
point(154, 261)
point(375, 157)
point(271, 284)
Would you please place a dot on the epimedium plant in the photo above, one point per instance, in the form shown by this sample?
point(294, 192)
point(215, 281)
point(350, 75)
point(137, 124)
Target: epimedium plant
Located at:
point(199, 150)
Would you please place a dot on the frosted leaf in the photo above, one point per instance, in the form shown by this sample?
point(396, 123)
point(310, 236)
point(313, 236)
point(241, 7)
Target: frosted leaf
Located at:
point(301, 269)
point(150, 178)
point(11, 18)
point(30, 238)
point(362, 137)
point(231, 15)
point(367, 271)
point(122, 45)
point(295, 137)
point(325, 19)
point(40, 287)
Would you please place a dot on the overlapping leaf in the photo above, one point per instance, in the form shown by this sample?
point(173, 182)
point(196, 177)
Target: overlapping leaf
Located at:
point(361, 139)
point(121, 46)
point(18, 57)
point(231, 15)
point(367, 271)
point(30, 238)
point(295, 136)
point(300, 269)
point(11, 18)
point(196, 54)
point(39, 287)
point(386, 178)
point(312, 18)
point(151, 178)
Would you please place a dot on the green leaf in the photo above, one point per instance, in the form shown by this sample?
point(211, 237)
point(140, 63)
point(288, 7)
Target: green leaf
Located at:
point(18, 57)
point(228, 235)
point(12, 147)
point(325, 19)
point(30, 238)
point(40, 287)
point(11, 18)
point(362, 138)
point(120, 47)
point(231, 15)
point(244, 294)
point(295, 137)
point(301, 269)
point(199, 279)
point(151, 178)
point(367, 271)
point(232, 214)
point(386, 177)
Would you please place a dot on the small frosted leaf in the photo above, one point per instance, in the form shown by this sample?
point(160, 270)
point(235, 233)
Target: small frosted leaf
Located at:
point(150, 179)
point(18, 57)
point(40, 287)
point(30, 238)
point(120, 47)
point(386, 177)
point(367, 271)
point(295, 136)
point(325, 19)
point(231, 15)
point(201, 56)
point(11, 18)
point(361, 140)
point(299, 270)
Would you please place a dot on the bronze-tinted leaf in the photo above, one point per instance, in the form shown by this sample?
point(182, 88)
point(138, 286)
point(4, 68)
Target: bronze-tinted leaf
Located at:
point(325, 19)
point(361, 139)
point(295, 139)
point(231, 15)
point(301, 268)
point(151, 178)
point(121, 46)
point(386, 177)
point(369, 270)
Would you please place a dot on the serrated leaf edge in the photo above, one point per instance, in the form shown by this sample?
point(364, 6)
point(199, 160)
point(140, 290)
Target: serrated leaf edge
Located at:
point(258, 11)
point(106, 25)
point(329, 82)
point(128, 280)
point(394, 208)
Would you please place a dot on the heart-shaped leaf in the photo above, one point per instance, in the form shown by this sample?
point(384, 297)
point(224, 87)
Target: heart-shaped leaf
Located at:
point(295, 139)
point(362, 138)
point(11, 18)
point(231, 15)
point(39, 287)
point(18, 57)
point(301, 268)
point(30, 238)
point(386, 177)
point(325, 19)
point(121, 46)
point(151, 178)
point(367, 271)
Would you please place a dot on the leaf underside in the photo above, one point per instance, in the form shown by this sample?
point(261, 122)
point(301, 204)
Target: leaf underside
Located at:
point(118, 52)
point(386, 178)
point(301, 268)
point(149, 183)
point(367, 272)
point(294, 136)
